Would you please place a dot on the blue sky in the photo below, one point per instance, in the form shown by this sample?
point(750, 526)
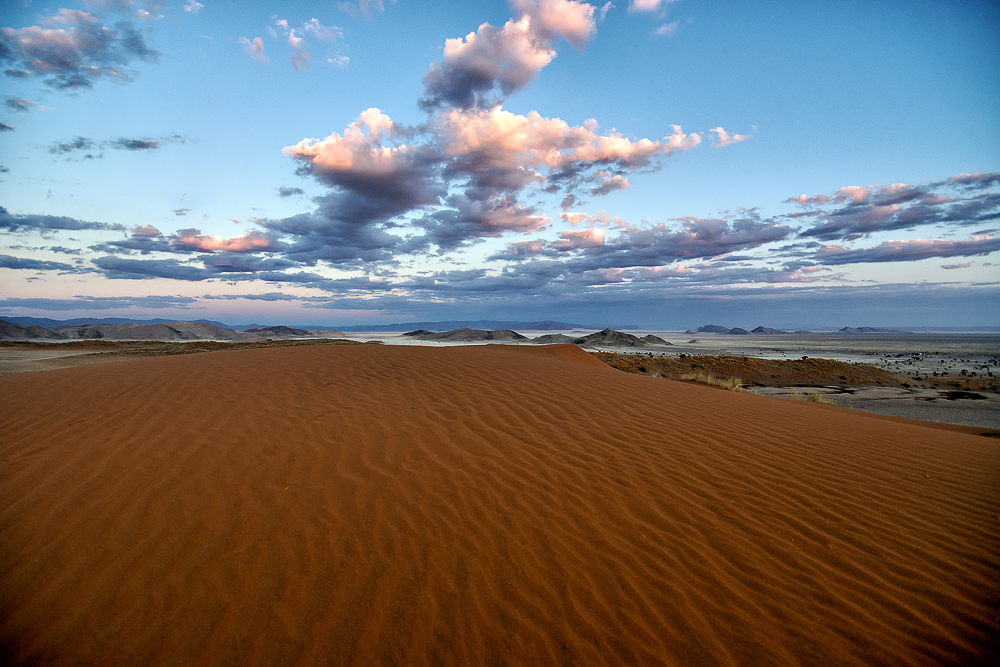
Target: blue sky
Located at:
point(650, 162)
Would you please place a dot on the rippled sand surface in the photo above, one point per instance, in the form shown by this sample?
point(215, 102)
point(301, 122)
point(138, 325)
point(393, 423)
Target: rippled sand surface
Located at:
point(478, 505)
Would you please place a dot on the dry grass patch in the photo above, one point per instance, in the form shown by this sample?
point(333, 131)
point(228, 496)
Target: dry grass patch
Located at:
point(730, 384)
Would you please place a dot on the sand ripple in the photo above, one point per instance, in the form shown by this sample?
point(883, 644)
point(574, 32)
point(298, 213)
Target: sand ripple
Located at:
point(479, 505)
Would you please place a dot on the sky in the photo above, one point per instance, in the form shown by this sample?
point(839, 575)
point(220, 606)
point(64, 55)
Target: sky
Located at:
point(657, 163)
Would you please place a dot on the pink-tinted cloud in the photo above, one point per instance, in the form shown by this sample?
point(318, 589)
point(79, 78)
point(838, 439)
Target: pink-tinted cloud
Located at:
point(648, 6)
point(908, 250)
point(575, 218)
point(509, 140)
point(254, 48)
point(573, 21)
point(359, 147)
point(523, 249)
point(854, 193)
point(573, 240)
point(194, 240)
point(147, 231)
point(956, 266)
point(723, 138)
point(805, 200)
point(20, 104)
point(300, 57)
point(608, 183)
point(976, 179)
point(599, 219)
point(363, 8)
point(506, 59)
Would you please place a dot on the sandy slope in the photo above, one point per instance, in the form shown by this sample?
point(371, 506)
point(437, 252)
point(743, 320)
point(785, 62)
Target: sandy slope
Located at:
point(478, 505)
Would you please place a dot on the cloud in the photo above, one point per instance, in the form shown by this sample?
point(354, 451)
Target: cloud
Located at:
point(129, 7)
point(376, 176)
point(122, 268)
point(723, 138)
point(608, 184)
point(192, 240)
point(858, 211)
point(667, 29)
point(522, 249)
point(4, 127)
point(11, 262)
point(300, 57)
point(325, 234)
point(492, 63)
point(78, 144)
point(566, 19)
point(120, 143)
point(975, 180)
point(193, 6)
point(806, 201)
point(363, 7)
point(574, 240)
point(321, 31)
point(133, 144)
point(19, 104)
point(908, 251)
point(956, 266)
point(254, 48)
point(648, 6)
point(284, 192)
point(181, 211)
point(144, 238)
point(75, 54)
point(15, 223)
point(466, 219)
point(101, 302)
point(657, 245)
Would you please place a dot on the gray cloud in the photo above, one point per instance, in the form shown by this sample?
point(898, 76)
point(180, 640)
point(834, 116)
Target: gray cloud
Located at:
point(19, 104)
point(11, 262)
point(73, 50)
point(120, 143)
point(907, 251)
point(284, 192)
point(122, 268)
point(133, 144)
point(861, 211)
point(100, 302)
point(50, 222)
point(484, 67)
point(78, 144)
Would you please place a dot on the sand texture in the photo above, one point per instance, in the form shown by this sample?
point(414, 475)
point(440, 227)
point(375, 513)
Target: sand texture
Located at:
point(376, 505)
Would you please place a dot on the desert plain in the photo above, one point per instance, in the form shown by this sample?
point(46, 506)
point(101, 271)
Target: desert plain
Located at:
point(479, 504)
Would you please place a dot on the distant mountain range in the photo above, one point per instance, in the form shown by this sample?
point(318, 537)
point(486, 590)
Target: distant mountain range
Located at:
point(263, 330)
point(547, 325)
point(489, 325)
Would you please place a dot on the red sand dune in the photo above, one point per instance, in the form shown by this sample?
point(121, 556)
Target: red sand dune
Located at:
point(478, 505)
